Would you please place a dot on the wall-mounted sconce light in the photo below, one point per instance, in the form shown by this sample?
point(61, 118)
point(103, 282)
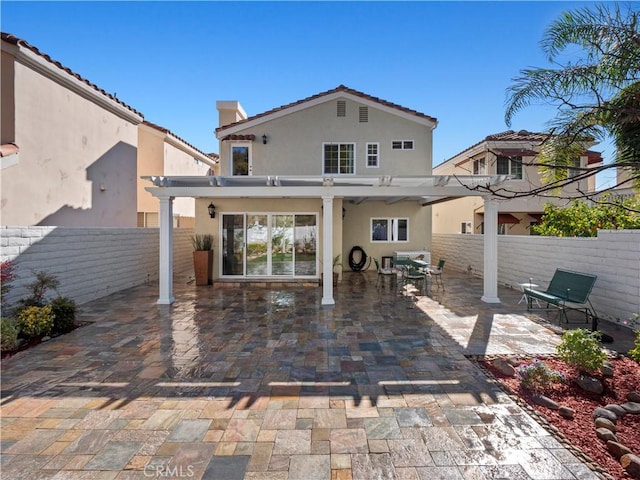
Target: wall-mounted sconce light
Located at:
point(264, 139)
point(103, 188)
point(212, 210)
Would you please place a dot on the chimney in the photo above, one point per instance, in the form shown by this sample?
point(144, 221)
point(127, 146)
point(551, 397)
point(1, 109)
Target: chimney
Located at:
point(229, 111)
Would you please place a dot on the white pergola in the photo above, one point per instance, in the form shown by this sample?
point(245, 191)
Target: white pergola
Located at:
point(426, 190)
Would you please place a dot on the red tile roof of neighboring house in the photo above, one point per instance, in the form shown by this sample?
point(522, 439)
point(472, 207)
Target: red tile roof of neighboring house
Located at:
point(340, 88)
point(7, 37)
point(520, 136)
point(164, 130)
point(7, 149)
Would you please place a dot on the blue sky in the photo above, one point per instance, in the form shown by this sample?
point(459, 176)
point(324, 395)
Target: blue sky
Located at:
point(173, 60)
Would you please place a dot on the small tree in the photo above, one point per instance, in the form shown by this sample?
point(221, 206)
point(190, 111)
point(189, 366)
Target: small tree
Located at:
point(579, 219)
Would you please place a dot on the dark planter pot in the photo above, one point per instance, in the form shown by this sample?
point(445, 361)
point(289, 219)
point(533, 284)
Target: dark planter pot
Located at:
point(203, 267)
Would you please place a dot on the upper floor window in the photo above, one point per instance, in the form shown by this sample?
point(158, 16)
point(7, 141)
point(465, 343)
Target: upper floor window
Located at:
point(339, 158)
point(479, 167)
point(402, 145)
point(509, 166)
point(390, 230)
point(574, 168)
point(373, 155)
point(241, 160)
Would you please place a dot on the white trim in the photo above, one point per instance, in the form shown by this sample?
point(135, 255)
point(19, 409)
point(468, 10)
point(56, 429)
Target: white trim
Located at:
point(413, 145)
point(366, 155)
point(355, 158)
point(241, 143)
point(64, 78)
point(8, 161)
point(318, 101)
point(392, 229)
point(269, 214)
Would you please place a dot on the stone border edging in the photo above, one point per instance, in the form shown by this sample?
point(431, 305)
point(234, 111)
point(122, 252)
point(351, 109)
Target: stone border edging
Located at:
point(594, 466)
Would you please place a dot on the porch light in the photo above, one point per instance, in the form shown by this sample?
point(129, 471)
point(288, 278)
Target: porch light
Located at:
point(264, 138)
point(212, 210)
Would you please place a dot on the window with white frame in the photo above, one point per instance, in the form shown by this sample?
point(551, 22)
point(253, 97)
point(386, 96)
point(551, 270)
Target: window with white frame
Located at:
point(509, 166)
point(241, 159)
point(373, 155)
point(479, 167)
point(402, 145)
point(465, 227)
point(339, 158)
point(389, 230)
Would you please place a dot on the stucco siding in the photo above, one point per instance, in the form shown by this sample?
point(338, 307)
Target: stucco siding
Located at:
point(295, 142)
point(77, 161)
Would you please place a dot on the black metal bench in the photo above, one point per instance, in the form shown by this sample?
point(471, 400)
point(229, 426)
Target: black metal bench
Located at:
point(567, 291)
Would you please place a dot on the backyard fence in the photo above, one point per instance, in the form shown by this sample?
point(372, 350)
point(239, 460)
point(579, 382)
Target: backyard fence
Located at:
point(89, 262)
point(614, 256)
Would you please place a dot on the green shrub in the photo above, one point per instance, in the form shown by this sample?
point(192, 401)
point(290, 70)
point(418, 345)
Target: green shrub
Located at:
point(64, 311)
point(581, 348)
point(36, 321)
point(39, 289)
point(8, 335)
point(537, 376)
point(635, 351)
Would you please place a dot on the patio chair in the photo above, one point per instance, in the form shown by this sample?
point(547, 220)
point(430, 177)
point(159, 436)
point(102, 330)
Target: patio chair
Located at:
point(382, 271)
point(436, 272)
point(414, 275)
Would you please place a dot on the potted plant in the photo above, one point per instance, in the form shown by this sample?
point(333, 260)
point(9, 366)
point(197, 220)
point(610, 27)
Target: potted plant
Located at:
point(336, 263)
point(203, 258)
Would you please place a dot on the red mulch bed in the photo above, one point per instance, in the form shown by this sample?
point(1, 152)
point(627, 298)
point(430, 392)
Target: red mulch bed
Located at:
point(580, 431)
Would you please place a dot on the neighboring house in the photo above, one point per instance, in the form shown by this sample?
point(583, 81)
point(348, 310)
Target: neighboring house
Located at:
point(506, 153)
point(310, 180)
point(73, 154)
point(161, 151)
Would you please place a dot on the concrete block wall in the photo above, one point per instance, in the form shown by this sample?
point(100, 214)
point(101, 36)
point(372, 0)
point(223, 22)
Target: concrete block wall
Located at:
point(614, 256)
point(89, 262)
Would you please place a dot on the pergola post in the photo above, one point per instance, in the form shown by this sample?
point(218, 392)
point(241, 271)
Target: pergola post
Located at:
point(166, 251)
point(327, 250)
point(490, 251)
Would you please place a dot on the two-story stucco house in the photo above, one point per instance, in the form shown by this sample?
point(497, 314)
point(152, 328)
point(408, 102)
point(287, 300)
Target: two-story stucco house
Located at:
point(305, 182)
point(72, 154)
point(506, 153)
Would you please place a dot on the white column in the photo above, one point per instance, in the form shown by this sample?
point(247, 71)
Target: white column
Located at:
point(327, 250)
point(490, 251)
point(166, 251)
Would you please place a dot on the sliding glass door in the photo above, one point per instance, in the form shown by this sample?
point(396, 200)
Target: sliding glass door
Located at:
point(269, 245)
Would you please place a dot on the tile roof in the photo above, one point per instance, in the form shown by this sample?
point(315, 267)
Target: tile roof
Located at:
point(507, 136)
point(339, 88)
point(7, 149)
point(12, 39)
point(239, 137)
point(213, 156)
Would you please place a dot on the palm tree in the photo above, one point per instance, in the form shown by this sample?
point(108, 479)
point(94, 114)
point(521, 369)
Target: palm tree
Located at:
point(596, 95)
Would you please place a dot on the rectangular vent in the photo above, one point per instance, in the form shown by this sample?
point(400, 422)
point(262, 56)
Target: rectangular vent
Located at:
point(364, 114)
point(342, 108)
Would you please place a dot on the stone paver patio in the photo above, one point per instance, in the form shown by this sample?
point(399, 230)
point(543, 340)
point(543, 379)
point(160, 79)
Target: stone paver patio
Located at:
point(260, 383)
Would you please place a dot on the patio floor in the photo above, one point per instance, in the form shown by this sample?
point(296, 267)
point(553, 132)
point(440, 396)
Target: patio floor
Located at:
point(260, 383)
